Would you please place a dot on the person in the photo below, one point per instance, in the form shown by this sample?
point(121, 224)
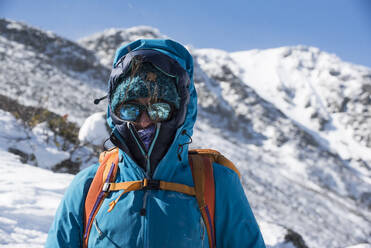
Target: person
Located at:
point(152, 108)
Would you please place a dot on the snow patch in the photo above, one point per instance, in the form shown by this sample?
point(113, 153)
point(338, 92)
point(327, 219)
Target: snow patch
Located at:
point(29, 199)
point(94, 129)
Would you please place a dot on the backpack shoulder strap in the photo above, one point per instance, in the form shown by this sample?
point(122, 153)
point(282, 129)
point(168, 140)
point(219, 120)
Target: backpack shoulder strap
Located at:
point(203, 177)
point(106, 173)
point(201, 162)
point(216, 157)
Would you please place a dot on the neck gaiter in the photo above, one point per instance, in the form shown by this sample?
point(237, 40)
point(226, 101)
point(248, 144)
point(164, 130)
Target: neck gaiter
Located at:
point(146, 135)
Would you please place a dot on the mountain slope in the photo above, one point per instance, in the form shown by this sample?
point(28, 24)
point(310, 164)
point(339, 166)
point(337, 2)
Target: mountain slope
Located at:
point(265, 119)
point(42, 69)
point(105, 43)
point(314, 88)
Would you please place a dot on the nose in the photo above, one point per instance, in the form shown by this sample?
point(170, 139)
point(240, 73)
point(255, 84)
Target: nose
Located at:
point(144, 121)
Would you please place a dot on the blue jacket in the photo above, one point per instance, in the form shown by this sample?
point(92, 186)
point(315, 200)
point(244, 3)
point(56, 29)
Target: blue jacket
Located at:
point(172, 219)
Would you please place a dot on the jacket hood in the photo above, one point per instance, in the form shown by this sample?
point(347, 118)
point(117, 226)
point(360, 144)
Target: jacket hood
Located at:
point(186, 117)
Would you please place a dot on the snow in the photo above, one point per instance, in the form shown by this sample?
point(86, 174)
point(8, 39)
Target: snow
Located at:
point(14, 25)
point(46, 153)
point(94, 129)
point(55, 69)
point(300, 82)
point(292, 78)
point(113, 38)
point(34, 141)
point(29, 195)
point(29, 198)
point(272, 234)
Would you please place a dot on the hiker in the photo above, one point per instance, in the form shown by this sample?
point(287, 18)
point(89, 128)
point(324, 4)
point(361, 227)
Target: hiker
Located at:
point(150, 191)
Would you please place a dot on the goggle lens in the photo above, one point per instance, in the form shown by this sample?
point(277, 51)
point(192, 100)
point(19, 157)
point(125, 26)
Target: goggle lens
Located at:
point(129, 112)
point(160, 111)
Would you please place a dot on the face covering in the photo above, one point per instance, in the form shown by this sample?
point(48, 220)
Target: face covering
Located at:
point(146, 135)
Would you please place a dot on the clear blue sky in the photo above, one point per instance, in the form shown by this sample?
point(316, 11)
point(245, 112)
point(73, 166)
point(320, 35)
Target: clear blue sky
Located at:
point(342, 27)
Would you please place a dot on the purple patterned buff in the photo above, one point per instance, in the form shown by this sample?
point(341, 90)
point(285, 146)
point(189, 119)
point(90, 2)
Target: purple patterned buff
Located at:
point(146, 135)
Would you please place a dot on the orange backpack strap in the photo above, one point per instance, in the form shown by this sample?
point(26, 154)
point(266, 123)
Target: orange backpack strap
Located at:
point(216, 157)
point(105, 174)
point(203, 177)
point(147, 184)
point(201, 162)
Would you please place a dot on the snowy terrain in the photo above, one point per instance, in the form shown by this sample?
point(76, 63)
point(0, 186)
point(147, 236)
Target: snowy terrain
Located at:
point(295, 120)
point(29, 198)
point(43, 69)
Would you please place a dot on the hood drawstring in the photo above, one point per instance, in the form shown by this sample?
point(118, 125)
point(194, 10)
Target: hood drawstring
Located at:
point(96, 101)
point(104, 143)
point(180, 147)
point(110, 138)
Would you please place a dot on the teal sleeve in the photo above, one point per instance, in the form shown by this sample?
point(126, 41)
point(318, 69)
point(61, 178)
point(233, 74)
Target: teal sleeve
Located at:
point(67, 227)
point(235, 223)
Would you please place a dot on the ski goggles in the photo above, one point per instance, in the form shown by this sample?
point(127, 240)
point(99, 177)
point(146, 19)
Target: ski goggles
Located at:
point(157, 112)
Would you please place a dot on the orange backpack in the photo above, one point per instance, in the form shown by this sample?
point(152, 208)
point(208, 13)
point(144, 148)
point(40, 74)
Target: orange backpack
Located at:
point(204, 190)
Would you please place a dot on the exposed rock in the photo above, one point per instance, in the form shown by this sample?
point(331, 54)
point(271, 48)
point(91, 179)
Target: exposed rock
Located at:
point(295, 239)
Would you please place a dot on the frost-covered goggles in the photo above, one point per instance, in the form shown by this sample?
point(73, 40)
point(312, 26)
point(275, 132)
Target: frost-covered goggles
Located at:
point(157, 112)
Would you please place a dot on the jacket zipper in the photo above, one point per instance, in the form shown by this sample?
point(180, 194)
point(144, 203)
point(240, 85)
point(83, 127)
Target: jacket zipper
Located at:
point(143, 212)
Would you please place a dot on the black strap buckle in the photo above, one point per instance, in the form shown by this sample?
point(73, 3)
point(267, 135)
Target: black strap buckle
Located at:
point(150, 184)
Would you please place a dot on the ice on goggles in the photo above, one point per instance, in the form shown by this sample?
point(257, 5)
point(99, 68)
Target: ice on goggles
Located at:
point(160, 111)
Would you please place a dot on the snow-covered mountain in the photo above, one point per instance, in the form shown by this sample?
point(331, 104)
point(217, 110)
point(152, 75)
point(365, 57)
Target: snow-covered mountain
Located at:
point(41, 69)
point(295, 120)
point(314, 88)
point(104, 44)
